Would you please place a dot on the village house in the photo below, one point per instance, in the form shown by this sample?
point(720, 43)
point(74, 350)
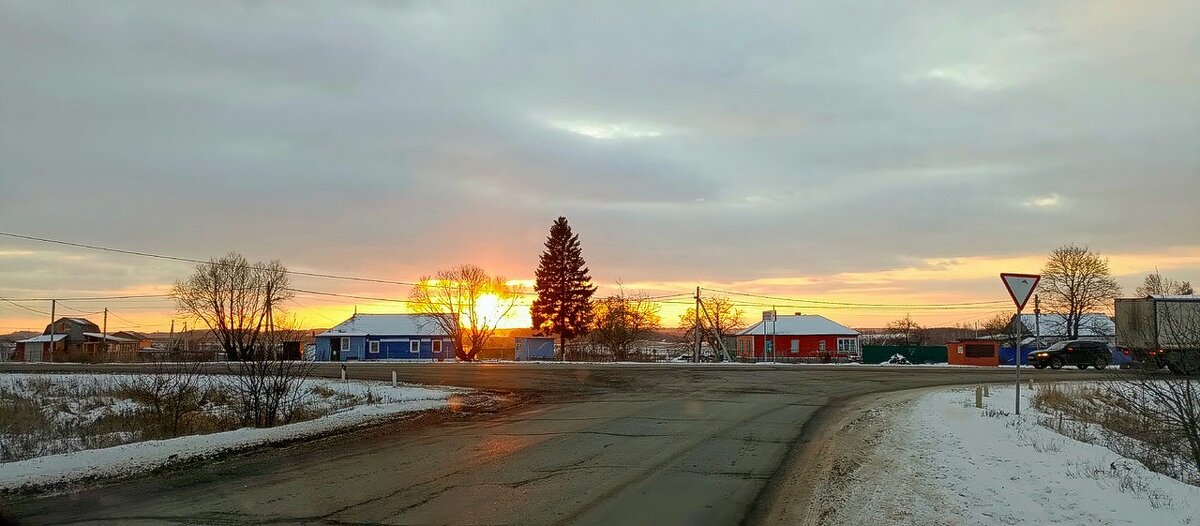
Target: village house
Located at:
point(801, 337)
point(385, 337)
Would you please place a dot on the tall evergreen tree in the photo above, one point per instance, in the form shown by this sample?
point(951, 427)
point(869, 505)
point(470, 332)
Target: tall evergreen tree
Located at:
point(563, 285)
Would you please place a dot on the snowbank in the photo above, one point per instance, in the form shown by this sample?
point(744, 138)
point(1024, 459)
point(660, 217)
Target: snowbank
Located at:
point(148, 455)
point(999, 468)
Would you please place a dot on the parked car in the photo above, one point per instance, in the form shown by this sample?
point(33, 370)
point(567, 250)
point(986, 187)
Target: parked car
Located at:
point(1122, 356)
point(1080, 353)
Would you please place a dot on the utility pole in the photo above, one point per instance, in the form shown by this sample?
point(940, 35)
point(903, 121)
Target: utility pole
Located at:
point(53, 303)
point(696, 352)
point(104, 332)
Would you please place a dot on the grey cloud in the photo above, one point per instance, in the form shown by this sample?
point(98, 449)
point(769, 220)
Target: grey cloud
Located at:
point(795, 138)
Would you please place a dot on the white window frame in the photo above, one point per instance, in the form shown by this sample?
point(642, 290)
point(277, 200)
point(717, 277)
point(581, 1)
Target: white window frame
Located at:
point(795, 345)
point(437, 346)
point(373, 346)
point(847, 345)
point(414, 346)
point(344, 345)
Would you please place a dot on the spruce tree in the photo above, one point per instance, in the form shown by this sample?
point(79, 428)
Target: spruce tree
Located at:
point(563, 286)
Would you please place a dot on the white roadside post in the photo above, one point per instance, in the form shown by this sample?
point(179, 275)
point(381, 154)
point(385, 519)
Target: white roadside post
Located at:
point(393, 378)
point(1020, 288)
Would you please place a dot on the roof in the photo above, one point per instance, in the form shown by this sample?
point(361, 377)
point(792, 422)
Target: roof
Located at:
point(386, 325)
point(1093, 325)
point(1174, 297)
point(42, 338)
point(111, 338)
point(802, 325)
point(133, 335)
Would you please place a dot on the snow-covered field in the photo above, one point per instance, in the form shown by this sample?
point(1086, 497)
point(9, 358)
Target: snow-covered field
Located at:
point(348, 404)
point(940, 460)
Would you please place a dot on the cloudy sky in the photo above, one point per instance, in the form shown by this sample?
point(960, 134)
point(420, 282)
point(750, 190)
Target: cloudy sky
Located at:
point(874, 152)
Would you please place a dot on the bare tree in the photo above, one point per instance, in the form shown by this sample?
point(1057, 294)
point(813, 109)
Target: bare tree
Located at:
point(1076, 281)
point(910, 332)
point(235, 299)
point(268, 387)
point(1157, 285)
point(622, 319)
point(719, 318)
point(465, 302)
point(171, 391)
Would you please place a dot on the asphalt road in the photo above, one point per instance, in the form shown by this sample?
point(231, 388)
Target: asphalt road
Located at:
point(568, 444)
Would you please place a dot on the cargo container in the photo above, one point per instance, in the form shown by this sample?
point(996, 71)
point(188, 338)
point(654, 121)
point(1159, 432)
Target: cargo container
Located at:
point(1163, 331)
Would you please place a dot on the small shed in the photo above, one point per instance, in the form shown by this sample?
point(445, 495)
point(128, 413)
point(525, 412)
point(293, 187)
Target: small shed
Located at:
point(984, 353)
point(534, 348)
point(40, 349)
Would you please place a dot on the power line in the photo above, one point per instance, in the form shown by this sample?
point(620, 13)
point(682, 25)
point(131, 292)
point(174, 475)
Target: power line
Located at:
point(196, 261)
point(117, 316)
point(30, 309)
point(92, 298)
point(850, 304)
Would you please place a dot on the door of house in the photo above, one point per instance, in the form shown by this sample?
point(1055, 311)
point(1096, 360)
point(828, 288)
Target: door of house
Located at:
point(335, 349)
point(33, 352)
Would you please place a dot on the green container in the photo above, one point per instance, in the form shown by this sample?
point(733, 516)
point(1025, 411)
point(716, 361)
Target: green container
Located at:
point(915, 353)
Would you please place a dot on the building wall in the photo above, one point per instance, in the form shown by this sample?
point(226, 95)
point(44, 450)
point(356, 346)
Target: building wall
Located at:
point(792, 346)
point(956, 353)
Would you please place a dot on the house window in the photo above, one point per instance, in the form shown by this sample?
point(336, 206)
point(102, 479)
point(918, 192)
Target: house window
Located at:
point(345, 344)
point(847, 345)
point(821, 346)
point(373, 347)
point(414, 346)
point(795, 345)
point(437, 346)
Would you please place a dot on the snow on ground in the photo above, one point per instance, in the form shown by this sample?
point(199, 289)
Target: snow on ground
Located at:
point(939, 460)
point(148, 455)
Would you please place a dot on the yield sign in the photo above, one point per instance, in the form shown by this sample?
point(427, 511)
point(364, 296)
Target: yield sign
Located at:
point(1020, 287)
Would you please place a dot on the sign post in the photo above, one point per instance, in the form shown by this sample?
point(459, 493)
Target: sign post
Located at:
point(1020, 288)
point(768, 345)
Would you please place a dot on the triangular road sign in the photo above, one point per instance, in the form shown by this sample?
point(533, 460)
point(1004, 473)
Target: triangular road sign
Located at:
point(1020, 287)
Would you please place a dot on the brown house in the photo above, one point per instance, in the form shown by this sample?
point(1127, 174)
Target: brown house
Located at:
point(76, 340)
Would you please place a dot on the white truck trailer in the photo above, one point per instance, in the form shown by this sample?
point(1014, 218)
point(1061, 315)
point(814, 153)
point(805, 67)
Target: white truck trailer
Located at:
point(1163, 331)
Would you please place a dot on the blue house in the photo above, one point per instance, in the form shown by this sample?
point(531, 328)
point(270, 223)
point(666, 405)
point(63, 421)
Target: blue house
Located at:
point(385, 337)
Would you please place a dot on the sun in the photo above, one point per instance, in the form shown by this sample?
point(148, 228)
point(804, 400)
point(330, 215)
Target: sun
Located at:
point(489, 308)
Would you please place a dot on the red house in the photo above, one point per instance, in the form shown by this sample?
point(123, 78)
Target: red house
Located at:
point(798, 338)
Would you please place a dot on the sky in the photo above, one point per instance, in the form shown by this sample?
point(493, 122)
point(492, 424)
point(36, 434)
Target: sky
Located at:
point(876, 153)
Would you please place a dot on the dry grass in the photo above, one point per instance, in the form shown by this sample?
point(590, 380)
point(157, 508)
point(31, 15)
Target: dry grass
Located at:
point(42, 416)
point(1094, 414)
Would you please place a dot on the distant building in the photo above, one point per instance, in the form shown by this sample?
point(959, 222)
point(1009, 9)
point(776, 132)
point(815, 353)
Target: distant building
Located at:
point(140, 340)
point(1043, 330)
point(798, 338)
point(533, 348)
point(973, 352)
point(76, 340)
point(385, 337)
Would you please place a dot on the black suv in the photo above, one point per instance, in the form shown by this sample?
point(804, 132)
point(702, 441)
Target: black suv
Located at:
point(1080, 353)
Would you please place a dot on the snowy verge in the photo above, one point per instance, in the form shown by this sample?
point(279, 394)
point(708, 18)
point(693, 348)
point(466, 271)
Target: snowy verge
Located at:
point(995, 467)
point(128, 459)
